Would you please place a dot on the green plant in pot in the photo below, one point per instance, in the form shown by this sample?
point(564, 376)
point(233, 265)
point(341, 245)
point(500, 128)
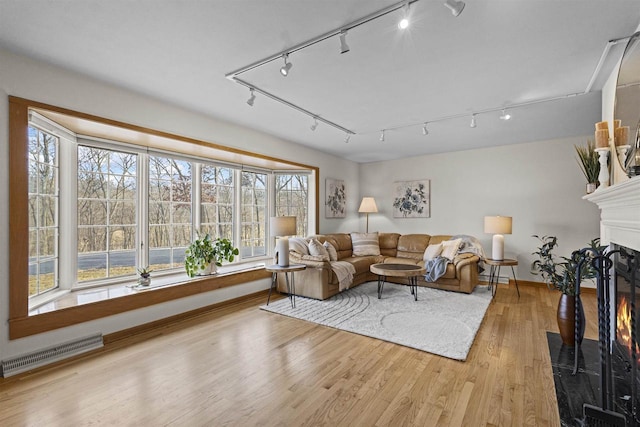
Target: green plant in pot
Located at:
point(145, 276)
point(589, 164)
point(560, 273)
point(204, 255)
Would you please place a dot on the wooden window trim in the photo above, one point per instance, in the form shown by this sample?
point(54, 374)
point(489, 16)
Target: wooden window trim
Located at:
point(20, 323)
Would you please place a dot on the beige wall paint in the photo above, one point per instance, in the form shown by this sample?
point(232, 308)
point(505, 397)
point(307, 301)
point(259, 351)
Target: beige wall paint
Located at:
point(538, 184)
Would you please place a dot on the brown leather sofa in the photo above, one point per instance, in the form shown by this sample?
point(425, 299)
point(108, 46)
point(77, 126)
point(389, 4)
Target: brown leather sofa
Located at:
point(318, 280)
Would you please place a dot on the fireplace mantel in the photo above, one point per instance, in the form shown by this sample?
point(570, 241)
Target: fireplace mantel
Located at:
point(619, 213)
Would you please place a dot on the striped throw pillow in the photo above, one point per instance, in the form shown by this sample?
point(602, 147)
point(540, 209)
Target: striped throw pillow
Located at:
point(365, 244)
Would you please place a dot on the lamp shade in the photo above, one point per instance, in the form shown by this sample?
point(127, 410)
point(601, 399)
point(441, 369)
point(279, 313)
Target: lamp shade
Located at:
point(283, 225)
point(368, 205)
point(497, 224)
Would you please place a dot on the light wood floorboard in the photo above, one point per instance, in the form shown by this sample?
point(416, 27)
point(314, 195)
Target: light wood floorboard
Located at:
point(240, 366)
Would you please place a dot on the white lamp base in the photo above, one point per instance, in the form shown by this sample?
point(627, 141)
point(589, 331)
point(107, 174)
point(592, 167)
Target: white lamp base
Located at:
point(497, 247)
point(282, 251)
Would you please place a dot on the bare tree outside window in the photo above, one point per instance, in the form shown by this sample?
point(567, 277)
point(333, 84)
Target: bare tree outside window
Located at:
point(253, 218)
point(292, 199)
point(43, 211)
point(107, 213)
point(216, 201)
point(170, 227)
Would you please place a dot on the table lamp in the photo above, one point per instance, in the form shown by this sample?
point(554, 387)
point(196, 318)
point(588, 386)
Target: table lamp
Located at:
point(282, 227)
point(368, 206)
point(497, 225)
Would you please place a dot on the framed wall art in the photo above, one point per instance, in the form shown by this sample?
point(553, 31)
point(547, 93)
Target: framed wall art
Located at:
point(411, 199)
point(336, 201)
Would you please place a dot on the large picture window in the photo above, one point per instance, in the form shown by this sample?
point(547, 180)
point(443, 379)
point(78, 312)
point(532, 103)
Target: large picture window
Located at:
point(169, 211)
point(254, 206)
point(93, 200)
point(292, 199)
point(43, 211)
point(107, 212)
point(216, 201)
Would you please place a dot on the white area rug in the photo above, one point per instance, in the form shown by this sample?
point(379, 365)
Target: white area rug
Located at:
point(440, 322)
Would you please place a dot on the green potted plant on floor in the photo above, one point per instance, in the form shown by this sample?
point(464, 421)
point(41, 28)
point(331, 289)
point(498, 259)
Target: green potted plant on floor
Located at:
point(204, 255)
point(589, 164)
point(560, 273)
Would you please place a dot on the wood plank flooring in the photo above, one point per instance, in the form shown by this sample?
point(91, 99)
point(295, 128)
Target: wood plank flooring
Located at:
point(241, 366)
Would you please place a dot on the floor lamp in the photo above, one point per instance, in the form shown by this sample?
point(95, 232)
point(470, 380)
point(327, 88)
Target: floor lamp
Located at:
point(282, 227)
point(368, 206)
point(497, 225)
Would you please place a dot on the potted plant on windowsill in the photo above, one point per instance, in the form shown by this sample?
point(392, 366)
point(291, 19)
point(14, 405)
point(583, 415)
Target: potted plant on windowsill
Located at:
point(205, 255)
point(145, 276)
point(560, 273)
point(589, 164)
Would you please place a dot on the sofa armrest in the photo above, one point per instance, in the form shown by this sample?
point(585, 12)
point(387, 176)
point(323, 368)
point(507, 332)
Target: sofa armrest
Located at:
point(462, 260)
point(308, 260)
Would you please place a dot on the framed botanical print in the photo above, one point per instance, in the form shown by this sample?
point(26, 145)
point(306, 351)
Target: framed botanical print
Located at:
point(336, 199)
point(411, 199)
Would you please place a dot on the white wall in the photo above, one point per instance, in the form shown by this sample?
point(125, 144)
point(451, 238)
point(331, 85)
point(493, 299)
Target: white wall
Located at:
point(539, 184)
point(26, 78)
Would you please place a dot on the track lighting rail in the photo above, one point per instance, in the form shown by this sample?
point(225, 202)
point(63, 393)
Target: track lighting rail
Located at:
point(292, 105)
point(336, 32)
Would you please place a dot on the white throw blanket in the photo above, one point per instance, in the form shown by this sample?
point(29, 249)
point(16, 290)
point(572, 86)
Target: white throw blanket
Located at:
point(344, 271)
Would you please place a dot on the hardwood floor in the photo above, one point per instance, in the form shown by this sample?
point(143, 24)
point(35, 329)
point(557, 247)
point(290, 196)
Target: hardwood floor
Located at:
point(239, 365)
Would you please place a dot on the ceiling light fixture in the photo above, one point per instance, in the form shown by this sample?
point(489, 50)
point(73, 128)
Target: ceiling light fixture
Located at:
point(473, 121)
point(252, 98)
point(347, 137)
point(404, 22)
point(382, 135)
point(505, 116)
point(455, 6)
point(344, 47)
point(425, 131)
point(314, 125)
point(287, 65)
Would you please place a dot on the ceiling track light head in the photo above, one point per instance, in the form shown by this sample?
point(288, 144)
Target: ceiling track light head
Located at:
point(347, 137)
point(404, 22)
point(456, 7)
point(344, 47)
point(287, 65)
point(382, 135)
point(252, 97)
point(505, 116)
point(473, 121)
point(425, 131)
point(314, 125)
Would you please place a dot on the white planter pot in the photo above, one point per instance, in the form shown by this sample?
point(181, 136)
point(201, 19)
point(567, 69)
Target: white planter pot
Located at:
point(211, 268)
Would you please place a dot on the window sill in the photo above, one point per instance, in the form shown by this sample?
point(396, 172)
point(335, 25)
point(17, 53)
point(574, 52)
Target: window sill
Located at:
point(95, 303)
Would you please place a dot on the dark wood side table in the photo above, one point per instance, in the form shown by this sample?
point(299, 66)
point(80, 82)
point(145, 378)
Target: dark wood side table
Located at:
point(494, 272)
point(398, 270)
point(291, 284)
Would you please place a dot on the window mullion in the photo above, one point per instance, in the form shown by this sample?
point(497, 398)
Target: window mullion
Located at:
point(68, 213)
point(142, 243)
point(196, 198)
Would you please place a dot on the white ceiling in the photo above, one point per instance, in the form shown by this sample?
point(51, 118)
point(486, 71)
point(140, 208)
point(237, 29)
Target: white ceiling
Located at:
point(496, 53)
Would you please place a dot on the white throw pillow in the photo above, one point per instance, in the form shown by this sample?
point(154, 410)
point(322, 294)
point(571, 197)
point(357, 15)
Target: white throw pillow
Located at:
point(333, 253)
point(450, 248)
point(316, 249)
point(432, 251)
point(298, 244)
point(365, 244)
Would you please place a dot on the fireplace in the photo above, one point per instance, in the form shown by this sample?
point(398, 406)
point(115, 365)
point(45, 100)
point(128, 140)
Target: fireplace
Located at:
point(619, 299)
point(623, 368)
